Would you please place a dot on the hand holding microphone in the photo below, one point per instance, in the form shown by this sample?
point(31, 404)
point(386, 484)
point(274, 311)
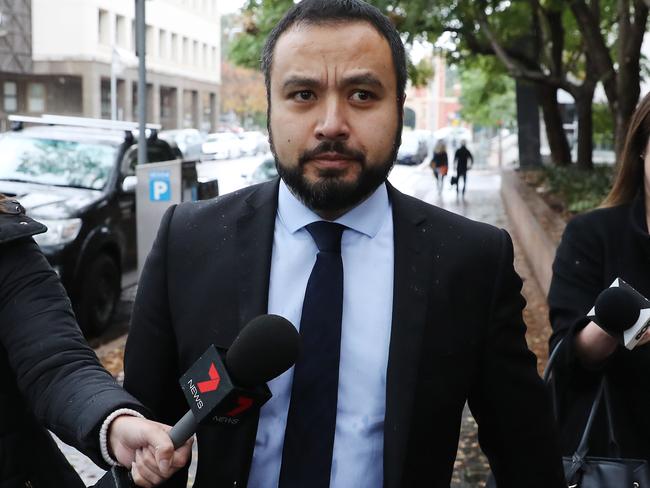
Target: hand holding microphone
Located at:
point(225, 391)
point(623, 313)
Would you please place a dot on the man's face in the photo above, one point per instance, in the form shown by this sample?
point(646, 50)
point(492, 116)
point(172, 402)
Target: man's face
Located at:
point(334, 121)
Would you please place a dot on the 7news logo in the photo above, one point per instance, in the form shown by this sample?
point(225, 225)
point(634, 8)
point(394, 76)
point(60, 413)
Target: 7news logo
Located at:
point(204, 386)
point(232, 399)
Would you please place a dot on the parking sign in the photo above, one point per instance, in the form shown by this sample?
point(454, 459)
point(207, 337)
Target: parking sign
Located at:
point(159, 187)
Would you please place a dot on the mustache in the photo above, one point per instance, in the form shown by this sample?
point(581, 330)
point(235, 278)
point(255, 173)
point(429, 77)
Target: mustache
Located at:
point(332, 147)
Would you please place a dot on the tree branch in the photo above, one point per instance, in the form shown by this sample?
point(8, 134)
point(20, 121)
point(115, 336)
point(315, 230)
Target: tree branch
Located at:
point(600, 57)
point(514, 67)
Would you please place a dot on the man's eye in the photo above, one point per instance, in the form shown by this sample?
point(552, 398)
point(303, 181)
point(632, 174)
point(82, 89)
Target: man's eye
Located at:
point(362, 96)
point(303, 96)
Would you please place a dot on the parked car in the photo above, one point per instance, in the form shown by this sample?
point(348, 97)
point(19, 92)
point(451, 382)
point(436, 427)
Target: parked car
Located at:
point(253, 142)
point(413, 149)
point(265, 171)
point(221, 145)
point(80, 183)
point(188, 141)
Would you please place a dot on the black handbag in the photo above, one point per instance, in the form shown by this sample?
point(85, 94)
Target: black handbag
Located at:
point(583, 471)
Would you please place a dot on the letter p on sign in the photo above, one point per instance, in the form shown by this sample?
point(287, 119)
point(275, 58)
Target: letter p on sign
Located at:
point(159, 187)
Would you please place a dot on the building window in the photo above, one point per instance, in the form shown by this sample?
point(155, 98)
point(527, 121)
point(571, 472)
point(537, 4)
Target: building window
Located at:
point(36, 97)
point(186, 50)
point(105, 97)
point(175, 50)
point(149, 47)
point(10, 96)
point(120, 28)
point(215, 59)
point(104, 27)
point(134, 37)
point(162, 44)
point(196, 55)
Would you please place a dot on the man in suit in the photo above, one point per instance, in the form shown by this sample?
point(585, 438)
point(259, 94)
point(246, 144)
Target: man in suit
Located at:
point(406, 311)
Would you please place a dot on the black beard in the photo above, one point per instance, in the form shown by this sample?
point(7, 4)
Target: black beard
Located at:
point(330, 193)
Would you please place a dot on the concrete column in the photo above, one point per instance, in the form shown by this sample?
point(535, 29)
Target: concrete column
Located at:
point(214, 113)
point(154, 108)
point(91, 94)
point(128, 99)
point(199, 110)
point(196, 109)
point(180, 106)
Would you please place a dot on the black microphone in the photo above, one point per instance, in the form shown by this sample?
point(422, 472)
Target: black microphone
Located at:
point(226, 391)
point(622, 312)
point(616, 309)
point(264, 349)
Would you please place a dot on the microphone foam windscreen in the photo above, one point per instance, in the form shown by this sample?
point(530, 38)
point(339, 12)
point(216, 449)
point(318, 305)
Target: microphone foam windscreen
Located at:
point(265, 348)
point(616, 309)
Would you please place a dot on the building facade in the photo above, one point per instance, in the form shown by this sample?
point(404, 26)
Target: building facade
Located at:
point(436, 105)
point(75, 47)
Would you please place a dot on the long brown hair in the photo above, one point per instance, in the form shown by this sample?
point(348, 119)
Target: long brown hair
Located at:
point(629, 178)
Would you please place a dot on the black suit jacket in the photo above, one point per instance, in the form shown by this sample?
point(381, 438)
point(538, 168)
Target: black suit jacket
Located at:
point(457, 334)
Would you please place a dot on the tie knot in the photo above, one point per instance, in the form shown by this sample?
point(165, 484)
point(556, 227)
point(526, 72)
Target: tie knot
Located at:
point(326, 235)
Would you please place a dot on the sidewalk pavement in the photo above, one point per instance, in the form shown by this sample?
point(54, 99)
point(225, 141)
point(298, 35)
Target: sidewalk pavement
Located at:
point(482, 202)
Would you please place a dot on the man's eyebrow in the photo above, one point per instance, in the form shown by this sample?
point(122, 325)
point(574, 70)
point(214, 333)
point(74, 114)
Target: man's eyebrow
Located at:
point(362, 79)
point(300, 82)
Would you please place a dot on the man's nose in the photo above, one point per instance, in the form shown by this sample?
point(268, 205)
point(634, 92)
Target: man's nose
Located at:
point(333, 124)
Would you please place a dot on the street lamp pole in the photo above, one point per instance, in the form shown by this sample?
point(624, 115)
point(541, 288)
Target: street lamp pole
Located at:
point(140, 28)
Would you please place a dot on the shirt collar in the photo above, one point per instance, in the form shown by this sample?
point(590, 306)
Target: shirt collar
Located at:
point(366, 218)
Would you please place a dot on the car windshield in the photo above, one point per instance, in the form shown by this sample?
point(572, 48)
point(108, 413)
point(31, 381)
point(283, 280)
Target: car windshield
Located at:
point(56, 162)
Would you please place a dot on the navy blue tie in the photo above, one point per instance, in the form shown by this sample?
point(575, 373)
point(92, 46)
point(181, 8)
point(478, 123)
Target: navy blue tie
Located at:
point(309, 434)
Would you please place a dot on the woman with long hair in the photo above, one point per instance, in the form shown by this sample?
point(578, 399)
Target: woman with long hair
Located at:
point(440, 164)
point(597, 247)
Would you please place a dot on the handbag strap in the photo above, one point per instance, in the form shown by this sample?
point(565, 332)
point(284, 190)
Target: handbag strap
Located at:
point(614, 447)
point(601, 394)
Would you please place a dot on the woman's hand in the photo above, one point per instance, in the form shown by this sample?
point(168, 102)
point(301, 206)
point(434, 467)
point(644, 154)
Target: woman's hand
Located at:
point(594, 345)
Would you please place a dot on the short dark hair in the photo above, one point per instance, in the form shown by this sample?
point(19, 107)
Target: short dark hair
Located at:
point(317, 12)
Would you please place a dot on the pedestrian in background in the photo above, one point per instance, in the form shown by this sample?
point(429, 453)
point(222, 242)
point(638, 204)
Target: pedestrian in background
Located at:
point(440, 164)
point(51, 379)
point(463, 160)
point(597, 247)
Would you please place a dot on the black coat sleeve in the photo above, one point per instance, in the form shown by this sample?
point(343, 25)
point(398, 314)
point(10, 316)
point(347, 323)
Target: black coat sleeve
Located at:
point(577, 281)
point(508, 398)
point(56, 371)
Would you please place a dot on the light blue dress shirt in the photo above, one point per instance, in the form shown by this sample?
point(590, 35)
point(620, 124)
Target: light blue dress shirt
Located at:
point(367, 252)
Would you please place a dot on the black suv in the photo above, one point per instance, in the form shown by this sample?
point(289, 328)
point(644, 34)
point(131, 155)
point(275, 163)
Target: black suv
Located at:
point(76, 181)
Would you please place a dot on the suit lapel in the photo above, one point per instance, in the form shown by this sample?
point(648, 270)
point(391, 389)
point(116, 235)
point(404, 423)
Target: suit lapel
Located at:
point(413, 268)
point(253, 262)
point(255, 245)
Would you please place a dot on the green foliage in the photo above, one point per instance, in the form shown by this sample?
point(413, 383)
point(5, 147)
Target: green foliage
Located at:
point(579, 190)
point(420, 73)
point(603, 125)
point(488, 94)
point(260, 16)
point(258, 19)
